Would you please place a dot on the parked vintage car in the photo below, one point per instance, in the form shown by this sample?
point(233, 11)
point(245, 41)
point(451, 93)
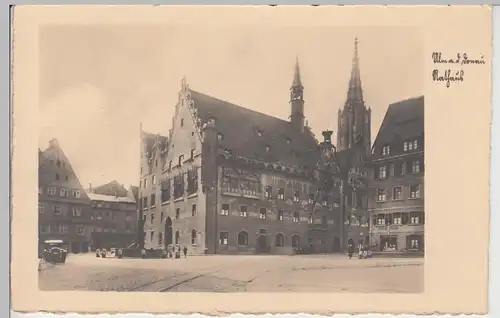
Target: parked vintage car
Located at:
point(55, 254)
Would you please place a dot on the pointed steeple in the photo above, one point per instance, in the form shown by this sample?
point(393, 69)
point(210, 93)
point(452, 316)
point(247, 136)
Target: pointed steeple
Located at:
point(297, 82)
point(355, 92)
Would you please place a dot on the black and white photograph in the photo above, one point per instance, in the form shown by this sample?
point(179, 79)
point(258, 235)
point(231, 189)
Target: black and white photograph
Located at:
point(156, 175)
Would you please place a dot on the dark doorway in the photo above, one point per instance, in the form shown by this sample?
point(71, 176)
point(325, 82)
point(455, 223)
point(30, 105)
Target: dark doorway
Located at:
point(336, 244)
point(261, 246)
point(75, 248)
point(85, 247)
point(168, 232)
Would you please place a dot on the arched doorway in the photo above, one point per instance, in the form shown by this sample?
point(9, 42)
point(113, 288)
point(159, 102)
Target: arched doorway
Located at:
point(295, 241)
point(261, 246)
point(168, 232)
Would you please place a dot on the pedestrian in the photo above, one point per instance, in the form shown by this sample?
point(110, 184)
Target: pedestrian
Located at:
point(350, 247)
point(185, 250)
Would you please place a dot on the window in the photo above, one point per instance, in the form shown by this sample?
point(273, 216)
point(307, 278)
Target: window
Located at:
point(288, 141)
point(223, 238)
point(177, 213)
point(310, 220)
point(76, 193)
point(415, 219)
point(259, 133)
point(193, 237)
point(193, 210)
point(182, 122)
point(220, 136)
point(181, 159)
point(145, 201)
point(152, 218)
point(80, 230)
point(280, 215)
point(57, 210)
point(380, 221)
point(57, 176)
point(66, 178)
point(281, 193)
point(153, 200)
point(397, 220)
point(280, 240)
point(381, 195)
point(40, 208)
point(296, 196)
point(415, 166)
point(268, 148)
point(51, 191)
point(415, 191)
point(63, 229)
point(296, 217)
point(165, 192)
point(151, 235)
point(63, 192)
point(40, 190)
point(153, 179)
point(269, 192)
point(397, 193)
point(382, 172)
point(170, 165)
point(386, 150)
point(177, 237)
point(311, 198)
point(145, 183)
point(243, 211)
point(76, 212)
point(192, 154)
point(410, 145)
point(243, 238)
point(224, 209)
point(58, 162)
point(44, 228)
point(160, 238)
point(156, 164)
point(162, 216)
point(263, 213)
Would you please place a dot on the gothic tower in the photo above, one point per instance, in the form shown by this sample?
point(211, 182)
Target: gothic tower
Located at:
point(297, 100)
point(354, 121)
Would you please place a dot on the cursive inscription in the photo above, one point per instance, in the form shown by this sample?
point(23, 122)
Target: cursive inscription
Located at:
point(454, 69)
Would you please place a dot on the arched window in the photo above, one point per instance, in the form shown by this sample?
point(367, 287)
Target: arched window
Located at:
point(295, 241)
point(280, 240)
point(193, 237)
point(243, 238)
point(177, 234)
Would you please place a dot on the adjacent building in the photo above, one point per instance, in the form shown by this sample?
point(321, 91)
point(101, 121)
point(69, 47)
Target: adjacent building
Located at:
point(63, 205)
point(114, 216)
point(397, 166)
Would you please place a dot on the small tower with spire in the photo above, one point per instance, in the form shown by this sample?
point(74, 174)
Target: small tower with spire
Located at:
point(354, 121)
point(297, 99)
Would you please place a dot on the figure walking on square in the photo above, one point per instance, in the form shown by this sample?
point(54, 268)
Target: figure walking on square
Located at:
point(350, 247)
point(185, 250)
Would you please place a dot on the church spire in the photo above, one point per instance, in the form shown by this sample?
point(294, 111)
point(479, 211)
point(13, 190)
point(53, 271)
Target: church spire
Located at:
point(355, 92)
point(297, 82)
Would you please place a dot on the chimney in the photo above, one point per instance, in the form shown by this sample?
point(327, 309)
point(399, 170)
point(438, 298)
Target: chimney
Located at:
point(90, 187)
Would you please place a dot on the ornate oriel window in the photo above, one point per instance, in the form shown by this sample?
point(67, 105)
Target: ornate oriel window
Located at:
point(179, 186)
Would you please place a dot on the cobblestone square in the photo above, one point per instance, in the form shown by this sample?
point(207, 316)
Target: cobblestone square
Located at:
point(318, 273)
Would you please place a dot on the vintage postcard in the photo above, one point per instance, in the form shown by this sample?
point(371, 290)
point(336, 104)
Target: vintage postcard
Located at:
point(216, 160)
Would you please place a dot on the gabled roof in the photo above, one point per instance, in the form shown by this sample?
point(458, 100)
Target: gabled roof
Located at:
point(403, 120)
point(112, 188)
point(255, 135)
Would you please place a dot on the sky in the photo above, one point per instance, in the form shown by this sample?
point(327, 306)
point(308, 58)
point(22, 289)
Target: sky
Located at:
point(97, 83)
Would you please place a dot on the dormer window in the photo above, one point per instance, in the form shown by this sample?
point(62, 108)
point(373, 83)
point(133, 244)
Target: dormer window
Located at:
point(212, 120)
point(386, 150)
point(182, 122)
point(170, 165)
point(288, 141)
point(181, 158)
point(259, 133)
point(220, 136)
point(268, 148)
point(192, 154)
point(410, 145)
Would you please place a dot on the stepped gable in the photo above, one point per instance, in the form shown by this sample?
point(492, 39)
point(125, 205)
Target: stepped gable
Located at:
point(403, 120)
point(253, 135)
